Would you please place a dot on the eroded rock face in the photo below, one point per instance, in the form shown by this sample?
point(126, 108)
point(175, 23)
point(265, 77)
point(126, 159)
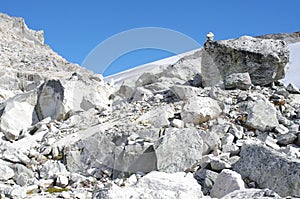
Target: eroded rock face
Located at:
point(264, 59)
point(269, 169)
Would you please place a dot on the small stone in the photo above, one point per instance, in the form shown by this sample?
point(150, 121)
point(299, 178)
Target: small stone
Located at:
point(227, 182)
point(281, 129)
point(6, 172)
point(62, 181)
point(232, 149)
point(206, 178)
point(292, 89)
point(237, 131)
point(17, 192)
point(219, 165)
point(177, 123)
point(46, 183)
point(268, 140)
point(228, 139)
point(131, 180)
point(65, 195)
point(286, 139)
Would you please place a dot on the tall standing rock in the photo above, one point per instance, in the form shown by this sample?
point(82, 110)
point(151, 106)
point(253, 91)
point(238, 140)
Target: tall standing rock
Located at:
point(264, 59)
point(50, 99)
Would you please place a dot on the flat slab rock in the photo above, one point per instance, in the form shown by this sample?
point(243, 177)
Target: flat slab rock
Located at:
point(269, 169)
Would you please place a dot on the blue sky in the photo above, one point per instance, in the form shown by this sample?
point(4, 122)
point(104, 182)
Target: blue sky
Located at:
point(74, 28)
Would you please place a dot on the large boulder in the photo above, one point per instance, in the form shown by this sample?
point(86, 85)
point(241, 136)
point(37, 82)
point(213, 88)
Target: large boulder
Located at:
point(57, 97)
point(269, 169)
point(175, 146)
point(264, 59)
point(50, 99)
point(111, 151)
point(157, 185)
point(198, 110)
point(17, 114)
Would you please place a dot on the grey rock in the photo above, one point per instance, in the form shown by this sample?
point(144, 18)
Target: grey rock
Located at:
point(184, 92)
point(281, 129)
point(264, 60)
point(261, 115)
point(142, 94)
point(146, 78)
point(218, 164)
point(50, 100)
point(290, 38)
point(6, 172)
point(206, 178)
point(126, 90)
point(157, 185)
point(197, 80)
point(237, 131)
point(252, 193)
point(238, 81)
point(268, 140)
point(227, 182)
point(294, 100)
point(17, 192)
point(232, 149)
point(17, 114)
point(298, 139)
point(293, 89)
point(211, 141)
point(269, 169)
point(200, 109)
point(286, 139)
point(176, 145)
point(158, 117)
point(51, 169)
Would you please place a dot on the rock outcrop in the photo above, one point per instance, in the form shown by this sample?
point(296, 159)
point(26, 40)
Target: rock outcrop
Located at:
point(264, 60)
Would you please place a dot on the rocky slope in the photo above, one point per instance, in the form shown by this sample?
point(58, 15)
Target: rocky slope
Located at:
point(164, 134)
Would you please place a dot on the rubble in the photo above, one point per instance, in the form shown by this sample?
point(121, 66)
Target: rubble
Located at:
point(169, 133)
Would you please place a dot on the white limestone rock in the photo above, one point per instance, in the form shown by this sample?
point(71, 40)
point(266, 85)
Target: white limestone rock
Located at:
point(175, 146)
point(157, 185)
point(6, 172)
point(261, 115)
point(52, 168)
point(17, 114)
point(184, 92)
point(198, 110)
point(227, 182)
point(158, 117)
